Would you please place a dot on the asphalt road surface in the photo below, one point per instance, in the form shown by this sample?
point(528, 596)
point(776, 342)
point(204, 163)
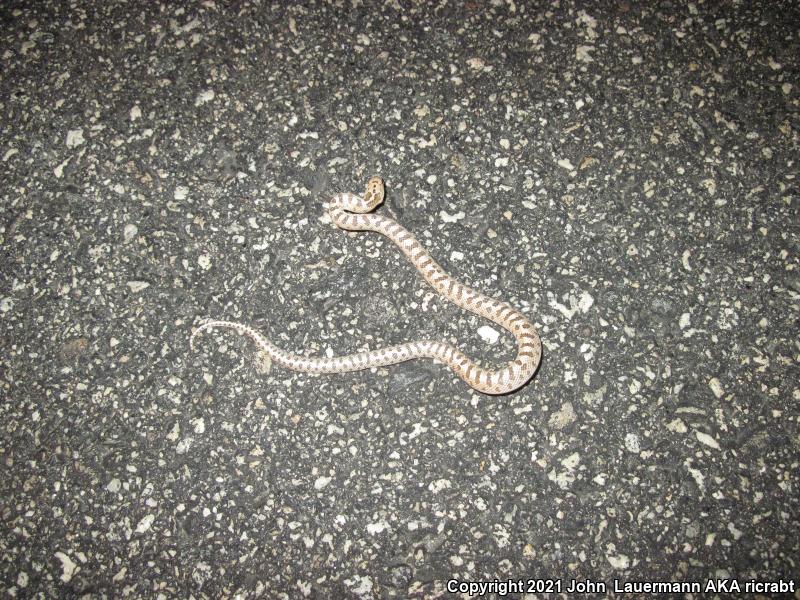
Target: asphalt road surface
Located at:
point(624, 173)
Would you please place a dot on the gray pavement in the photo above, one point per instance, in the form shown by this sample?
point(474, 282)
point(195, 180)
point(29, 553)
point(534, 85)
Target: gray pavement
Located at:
point(624, 173)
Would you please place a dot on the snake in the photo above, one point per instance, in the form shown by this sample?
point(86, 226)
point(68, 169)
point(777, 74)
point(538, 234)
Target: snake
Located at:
point(352, 212)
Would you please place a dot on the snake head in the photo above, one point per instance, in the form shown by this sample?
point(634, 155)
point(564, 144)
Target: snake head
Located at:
point(374, 193)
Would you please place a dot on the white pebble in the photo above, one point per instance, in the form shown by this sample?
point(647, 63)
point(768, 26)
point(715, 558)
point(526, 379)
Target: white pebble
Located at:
point(129, 232)
point(439, 485)
point(448, 218)
point(476, 63)
point(488, 334)
point(184, 445)
point(322, 482)
point(620, 561)
point(199, 425)
point(373, 528)
point(203, 97)
point(68, 567)
point(564, 163)
point(585, 302)
point(707, 440)
point(632, 443)
point(75, 138)
point(571, 461)
point(685, 259)
point(145, 523)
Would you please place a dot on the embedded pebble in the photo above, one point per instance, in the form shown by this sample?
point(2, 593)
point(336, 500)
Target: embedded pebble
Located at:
point(456, 255)
point(489, 334)
point(145, 523)
point(129, 232)
point(563, 417)
point(716, 387)
point(707, 440)
point(448, 218)
point(322, 482)
point(68, 567)
point(204, 97)
point(75, 138)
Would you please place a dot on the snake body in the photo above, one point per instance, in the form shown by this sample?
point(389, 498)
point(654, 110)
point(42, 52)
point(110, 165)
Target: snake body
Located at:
point(350, 212)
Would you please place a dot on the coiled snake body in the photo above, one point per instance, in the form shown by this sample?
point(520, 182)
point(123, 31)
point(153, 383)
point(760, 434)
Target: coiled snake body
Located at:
point(349, 211)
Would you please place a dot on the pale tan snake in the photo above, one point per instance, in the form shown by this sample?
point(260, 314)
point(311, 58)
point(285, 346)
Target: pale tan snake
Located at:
point(348, 211)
